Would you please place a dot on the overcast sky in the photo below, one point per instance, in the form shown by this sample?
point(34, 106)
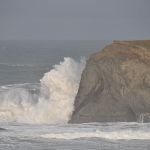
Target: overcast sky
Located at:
point(74, 19)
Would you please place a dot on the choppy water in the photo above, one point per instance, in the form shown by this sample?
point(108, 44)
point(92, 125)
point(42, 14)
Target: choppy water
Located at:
point(36, 101)
point(96, 136)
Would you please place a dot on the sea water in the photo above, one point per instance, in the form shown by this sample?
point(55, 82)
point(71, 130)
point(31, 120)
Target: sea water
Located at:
point(38, 85)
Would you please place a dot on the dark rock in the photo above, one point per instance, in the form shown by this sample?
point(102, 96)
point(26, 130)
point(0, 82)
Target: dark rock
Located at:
point(115, 85)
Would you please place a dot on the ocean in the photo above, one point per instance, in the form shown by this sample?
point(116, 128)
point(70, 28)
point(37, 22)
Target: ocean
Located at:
point(38, 84)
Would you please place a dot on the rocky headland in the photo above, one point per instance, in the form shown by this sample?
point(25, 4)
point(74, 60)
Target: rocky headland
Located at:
point(115, 85)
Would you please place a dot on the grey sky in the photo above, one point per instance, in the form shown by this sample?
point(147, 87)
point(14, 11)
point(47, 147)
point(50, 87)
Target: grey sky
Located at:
point(74, 19)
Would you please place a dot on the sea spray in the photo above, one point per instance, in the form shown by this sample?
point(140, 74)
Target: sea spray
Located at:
point(52, 103)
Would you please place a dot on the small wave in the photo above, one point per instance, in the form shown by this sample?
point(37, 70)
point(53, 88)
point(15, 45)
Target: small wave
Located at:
point(113, 135)
point(2, 129)
point(21, 85)
point(17, 65)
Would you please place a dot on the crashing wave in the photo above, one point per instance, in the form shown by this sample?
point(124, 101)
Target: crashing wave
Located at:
point(52, 102)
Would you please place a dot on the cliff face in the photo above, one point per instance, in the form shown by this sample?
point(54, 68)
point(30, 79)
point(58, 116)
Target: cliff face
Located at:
point(115, 85)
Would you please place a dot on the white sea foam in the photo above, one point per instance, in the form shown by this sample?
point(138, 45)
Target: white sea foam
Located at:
point(115, 135)
point(54, 101)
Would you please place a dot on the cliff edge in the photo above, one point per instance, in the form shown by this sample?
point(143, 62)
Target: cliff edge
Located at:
point(115, 85)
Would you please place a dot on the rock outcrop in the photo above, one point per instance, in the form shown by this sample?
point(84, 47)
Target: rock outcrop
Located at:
point(115, 85)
